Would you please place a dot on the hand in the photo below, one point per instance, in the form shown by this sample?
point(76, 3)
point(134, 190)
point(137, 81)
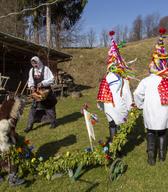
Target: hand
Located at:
point(39, 85)
point(32, 89)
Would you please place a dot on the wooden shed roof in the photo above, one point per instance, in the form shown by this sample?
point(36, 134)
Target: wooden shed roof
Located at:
point(21, 49)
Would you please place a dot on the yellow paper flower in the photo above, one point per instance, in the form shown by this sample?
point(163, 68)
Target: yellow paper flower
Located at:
point(33, 160)
point(19, 150)
point(67, 153)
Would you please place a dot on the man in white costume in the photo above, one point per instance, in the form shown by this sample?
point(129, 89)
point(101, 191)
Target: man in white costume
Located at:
point(151, 95)
point(114, 96)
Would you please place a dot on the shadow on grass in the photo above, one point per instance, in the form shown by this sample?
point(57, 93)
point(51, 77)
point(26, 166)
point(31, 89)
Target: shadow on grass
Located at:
point(135, 138)
point(50, 149)
point(71, 88)
point(92, 185)
point(79, 87)
point(69, 118)
point(61, 121)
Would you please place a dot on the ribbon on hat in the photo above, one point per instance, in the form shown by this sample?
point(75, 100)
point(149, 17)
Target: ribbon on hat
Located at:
point(115, 62)
point(159, 57)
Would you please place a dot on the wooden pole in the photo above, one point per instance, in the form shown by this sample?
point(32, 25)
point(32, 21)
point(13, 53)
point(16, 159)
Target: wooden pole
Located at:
point(24, 88)
point(91, 145)
point(3, 62)
point(18, 88)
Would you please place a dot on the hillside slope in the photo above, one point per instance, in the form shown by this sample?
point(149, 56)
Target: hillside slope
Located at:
point(89, 65)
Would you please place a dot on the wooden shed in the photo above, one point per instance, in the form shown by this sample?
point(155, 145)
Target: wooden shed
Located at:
point(15, 58)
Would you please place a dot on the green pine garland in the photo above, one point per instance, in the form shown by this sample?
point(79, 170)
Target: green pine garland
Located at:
point(22, 155)
point(71, 160)
point(121, 137)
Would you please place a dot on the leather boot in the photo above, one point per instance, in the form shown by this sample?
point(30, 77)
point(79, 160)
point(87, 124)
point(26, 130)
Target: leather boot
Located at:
point(151, 147)
point(162, 146)
point(112, 130)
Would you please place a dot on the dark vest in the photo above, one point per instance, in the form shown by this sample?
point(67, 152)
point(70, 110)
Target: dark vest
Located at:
point(38, 79)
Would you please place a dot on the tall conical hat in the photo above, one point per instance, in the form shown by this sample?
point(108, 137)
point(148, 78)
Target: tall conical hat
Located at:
point(159, 62)
point(115, 62)
point(114, 56)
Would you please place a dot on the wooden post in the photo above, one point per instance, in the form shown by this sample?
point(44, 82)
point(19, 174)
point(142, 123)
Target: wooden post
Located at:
point(4, 53)
point(0, 81)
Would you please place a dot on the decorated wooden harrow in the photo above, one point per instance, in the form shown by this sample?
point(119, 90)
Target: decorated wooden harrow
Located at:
point(74, 163)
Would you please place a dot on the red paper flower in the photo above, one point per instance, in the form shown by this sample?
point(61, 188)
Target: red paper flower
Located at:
point(162, 30)
point(93, 122)
point(107, 157)
point(111, 33)
point(103, 144)
point(27, 141)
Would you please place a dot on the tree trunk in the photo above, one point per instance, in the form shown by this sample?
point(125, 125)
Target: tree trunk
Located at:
point(36, 32)
point(58, 32)
point(48, 26)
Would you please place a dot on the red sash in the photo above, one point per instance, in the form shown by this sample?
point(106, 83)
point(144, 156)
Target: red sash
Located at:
point(163, 91)
point(104, 93)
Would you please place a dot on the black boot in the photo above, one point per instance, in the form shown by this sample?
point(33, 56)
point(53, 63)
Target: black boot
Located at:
point(162, 145)
point(151, 147)
point(112, 130)
point(27, 129)
point(14, 180)
point(53, 125)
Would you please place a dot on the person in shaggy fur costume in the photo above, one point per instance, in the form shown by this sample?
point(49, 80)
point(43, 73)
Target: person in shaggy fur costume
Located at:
point(10, 112)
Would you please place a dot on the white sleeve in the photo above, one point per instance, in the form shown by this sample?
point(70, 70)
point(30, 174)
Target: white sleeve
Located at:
point(127, 96)
point(30, 79)
point(139, 95)
point(48, 77)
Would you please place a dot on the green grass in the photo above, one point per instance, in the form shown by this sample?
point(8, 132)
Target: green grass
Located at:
point(87, 67)
point(71, 135)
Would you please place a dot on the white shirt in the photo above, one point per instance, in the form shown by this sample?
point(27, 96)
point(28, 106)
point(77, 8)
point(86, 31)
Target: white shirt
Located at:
point(48, 76)
point(147, 97)
point(122, 102)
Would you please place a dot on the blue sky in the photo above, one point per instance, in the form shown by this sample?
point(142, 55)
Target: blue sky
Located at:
point(106, 14)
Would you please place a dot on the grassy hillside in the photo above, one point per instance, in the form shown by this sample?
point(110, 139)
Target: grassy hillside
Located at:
point(89, 65)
